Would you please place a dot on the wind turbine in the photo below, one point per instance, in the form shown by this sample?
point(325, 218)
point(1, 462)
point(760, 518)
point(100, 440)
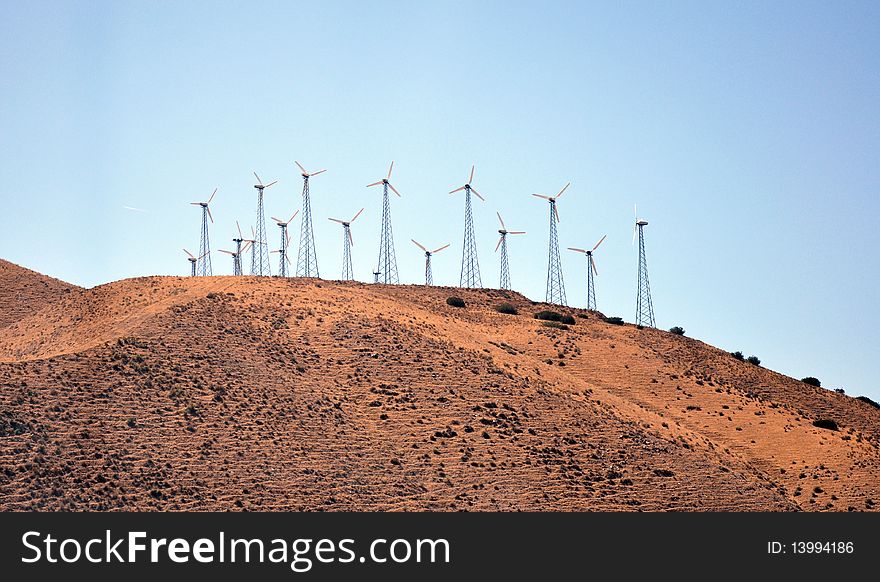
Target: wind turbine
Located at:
point(285, 240)
point(555, 284)
point(387, 258)
point(236, 260)
point(347, 242)
point(376, 274)
point(470, 264)
point(307, 260)
point(429, 277)
point(250, 242)
point(502, 242)
point(591, 269)
point(192, 262)
point(238, 250)
point(644, 305)
point(204, 260)
point(261, 246)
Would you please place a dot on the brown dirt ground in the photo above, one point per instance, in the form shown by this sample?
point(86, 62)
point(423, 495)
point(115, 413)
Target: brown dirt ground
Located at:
point(168, 393)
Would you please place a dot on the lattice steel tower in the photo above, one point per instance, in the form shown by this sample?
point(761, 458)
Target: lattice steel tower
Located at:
point(429, 275)
point(236, 265)
point(470, 264)
point(387, 257)
point(555, 285)
point(284, 251)
point(306, 259)
point(260, 265)
point(347, 242)
point(502, 242)
point(192, 262)
point(644, 305)
point(591, 269)
point(203, 263)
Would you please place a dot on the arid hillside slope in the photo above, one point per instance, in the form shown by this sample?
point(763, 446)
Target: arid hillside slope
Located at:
point(270, 394)
point(24, 292)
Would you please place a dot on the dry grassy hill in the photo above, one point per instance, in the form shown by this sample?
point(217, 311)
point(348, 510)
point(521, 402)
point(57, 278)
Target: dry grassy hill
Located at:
point(23, 292)
point(237, 392)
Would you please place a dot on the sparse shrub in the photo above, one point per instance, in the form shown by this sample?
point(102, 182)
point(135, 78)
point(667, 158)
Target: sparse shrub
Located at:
point(614, 320)
point(568, 320)
point(738, 355)
point(811, 381)
point(754, 360)
point(840, 390)
point(547, 315)
point(455, 301)
point(826, 423)
point(867, 400)
point(554, 325)
point(211, 295)
point(506, 308)
point(677, 330)
point(132, 423)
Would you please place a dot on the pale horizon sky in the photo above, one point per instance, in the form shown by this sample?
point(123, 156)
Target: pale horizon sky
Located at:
point(747, 133)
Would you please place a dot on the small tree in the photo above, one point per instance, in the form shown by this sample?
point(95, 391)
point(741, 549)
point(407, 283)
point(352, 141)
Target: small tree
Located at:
point(614, 320)
point(811, 381)
point(677, 330)
point(455, 301)
point(506, 308)
point(568, 319)
point(754, 360)
point(738, 355)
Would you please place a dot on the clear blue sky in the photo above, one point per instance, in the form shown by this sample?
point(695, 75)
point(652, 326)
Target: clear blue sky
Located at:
point(747, 132)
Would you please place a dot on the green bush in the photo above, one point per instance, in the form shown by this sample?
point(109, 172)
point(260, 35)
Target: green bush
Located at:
point(548, 315)
point(568, 320)
point(554, 325)
point(506, 308)
point(455, 301)
point(677, 330)
point(738, 355)
point(811, 381)
point(754, 360)
point(614, 320)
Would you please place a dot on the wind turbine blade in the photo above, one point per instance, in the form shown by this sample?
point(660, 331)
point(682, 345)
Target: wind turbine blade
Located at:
point(391, 167)
point(196, 203)
point(350, 239)
point(241, 236)
point(209, 214)
point(600, 242)
point(501, 220)
point(395, 189)
point(358, 214)
point(336, 220)
point(564, 188)
point(556, 212)
point(500, 238)
point(278, 220)
point(440, 249)
point(541, 196)
point(418, 245)
point(316, 173)
point(300, 167)
point(246, 246)
point(287, 258)
point(516, 232)
point(204, 255)
point(374, 184)
point(293, 216)
point(634, 235)
point(270, 184)
point(253, 233)
point(212, 196)
point(593, 264)
point(260, 182)
point(189, 253)
point(227, 252)
point(451, 192)
point(471, 179)
point(478, 195)
point(576, 250)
